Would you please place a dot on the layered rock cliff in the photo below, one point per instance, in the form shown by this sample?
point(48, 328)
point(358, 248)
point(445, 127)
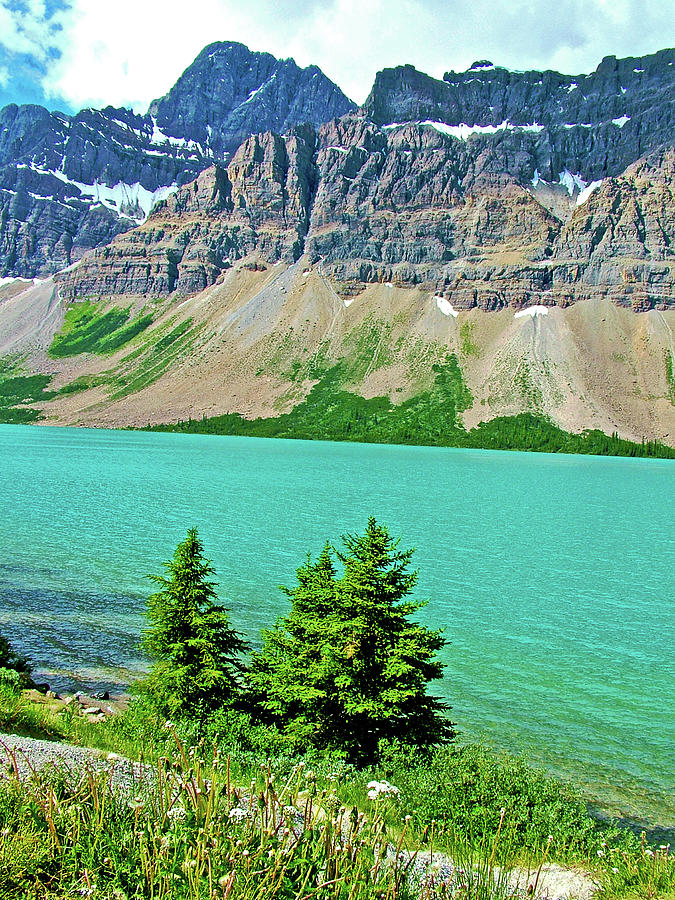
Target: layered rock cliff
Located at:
point(70, 183)
point(411, 205)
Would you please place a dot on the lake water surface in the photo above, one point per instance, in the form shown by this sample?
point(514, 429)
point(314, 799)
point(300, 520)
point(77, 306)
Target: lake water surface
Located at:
point(553, 576)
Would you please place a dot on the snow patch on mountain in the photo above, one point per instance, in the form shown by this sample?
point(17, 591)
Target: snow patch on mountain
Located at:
point(257, 90)
point(572, 182)
point(463, 131)
point(587, 191)
point(532, 311)
point(160, 139)
point(446, 307)
point(125, 199)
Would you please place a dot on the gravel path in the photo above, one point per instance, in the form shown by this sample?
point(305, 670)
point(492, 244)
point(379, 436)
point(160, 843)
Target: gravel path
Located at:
point(29, 754)
point(554, 882)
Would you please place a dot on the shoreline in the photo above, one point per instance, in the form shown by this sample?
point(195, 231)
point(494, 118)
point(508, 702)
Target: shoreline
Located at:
point(603, 808)
point(172, 428)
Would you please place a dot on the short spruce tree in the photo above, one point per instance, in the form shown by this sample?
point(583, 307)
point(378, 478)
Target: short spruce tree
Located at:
point(196, 652)
point(347, 667)
point(14, 669)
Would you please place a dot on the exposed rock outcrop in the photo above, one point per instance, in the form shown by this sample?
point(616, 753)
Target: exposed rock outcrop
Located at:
point(593, 124)
point(257, 206)
point(410, 205)
point(229, 93)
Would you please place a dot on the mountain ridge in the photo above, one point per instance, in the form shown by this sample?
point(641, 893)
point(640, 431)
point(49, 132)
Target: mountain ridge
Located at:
point(70, 183)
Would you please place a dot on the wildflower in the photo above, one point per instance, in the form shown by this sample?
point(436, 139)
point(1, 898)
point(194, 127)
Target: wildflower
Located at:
point(649, 852)
point(615, 870)
point(237, 813)
point(377, 789)
point(601, 852)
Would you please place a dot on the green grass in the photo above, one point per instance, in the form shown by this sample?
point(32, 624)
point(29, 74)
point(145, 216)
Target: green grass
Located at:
point(17, 389)
point(670, 377)
point(82, 383)
point(62, 838)
point(152, 359)
point(143, 365)
point(468, 346)
point(87, 329)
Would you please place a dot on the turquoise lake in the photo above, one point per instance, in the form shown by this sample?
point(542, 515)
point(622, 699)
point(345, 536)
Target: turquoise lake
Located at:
point(553, 576)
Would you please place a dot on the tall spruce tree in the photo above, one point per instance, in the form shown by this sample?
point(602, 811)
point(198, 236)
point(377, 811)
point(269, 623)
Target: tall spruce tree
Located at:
point(189, 636)
point(347, 667)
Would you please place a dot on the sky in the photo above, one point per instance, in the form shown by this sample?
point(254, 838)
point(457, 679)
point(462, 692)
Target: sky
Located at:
point(68, 54)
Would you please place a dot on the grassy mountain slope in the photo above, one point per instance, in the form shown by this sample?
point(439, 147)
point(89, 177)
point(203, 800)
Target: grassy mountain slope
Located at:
point(258, 342)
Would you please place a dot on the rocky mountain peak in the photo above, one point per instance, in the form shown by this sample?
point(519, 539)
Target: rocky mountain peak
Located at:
point(229, 92)
point(71, 183)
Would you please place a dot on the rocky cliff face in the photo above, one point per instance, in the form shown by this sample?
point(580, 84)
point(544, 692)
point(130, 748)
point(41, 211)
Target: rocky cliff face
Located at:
point(229, 93)
point(70, 183)
point(258, 206)
point(412, 205)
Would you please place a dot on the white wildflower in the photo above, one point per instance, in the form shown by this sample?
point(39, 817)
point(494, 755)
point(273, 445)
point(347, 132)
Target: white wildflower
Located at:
point(377, 789)
point(237, 813)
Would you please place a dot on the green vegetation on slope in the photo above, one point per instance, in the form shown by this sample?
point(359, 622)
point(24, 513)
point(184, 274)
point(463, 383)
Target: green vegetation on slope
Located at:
point(18, 389)
point(670, 376)
point(86, 329)
point(329, 412)
point(151, 359)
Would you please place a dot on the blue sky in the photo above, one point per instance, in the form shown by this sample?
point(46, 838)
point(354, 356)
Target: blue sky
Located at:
point(67, 54)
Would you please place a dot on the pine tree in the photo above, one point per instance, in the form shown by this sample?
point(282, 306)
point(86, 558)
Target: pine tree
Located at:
point(347, 667)
point(189, 636)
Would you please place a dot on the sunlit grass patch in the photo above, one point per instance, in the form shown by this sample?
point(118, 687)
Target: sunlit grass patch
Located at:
point(88, 329)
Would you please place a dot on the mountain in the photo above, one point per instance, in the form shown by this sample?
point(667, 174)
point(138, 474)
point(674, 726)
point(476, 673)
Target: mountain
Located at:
point(230, 92)
point(413, 205)
point(594, 125)
point(71, 183)
point(358, 258)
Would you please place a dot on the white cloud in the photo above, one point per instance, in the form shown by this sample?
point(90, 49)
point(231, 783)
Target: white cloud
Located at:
point(27, 28)
point(4, 76)
point(131, 51)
